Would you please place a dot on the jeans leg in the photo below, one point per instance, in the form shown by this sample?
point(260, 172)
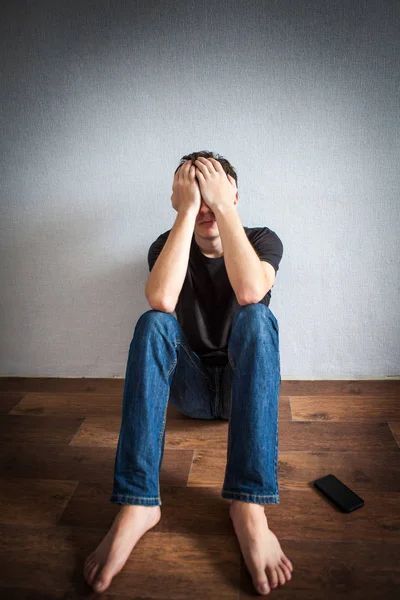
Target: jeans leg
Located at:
point(252, 460)
point(157, 347)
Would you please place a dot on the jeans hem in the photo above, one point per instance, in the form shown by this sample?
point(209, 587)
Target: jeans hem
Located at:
point(123, 499)
point(254, 498)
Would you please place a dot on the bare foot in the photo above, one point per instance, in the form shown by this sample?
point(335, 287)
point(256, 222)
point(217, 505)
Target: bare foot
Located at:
point(107, 560)
point(261, 550)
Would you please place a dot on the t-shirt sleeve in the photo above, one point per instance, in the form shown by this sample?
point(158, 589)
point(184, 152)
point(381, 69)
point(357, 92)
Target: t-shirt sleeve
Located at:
point(155, 250)
point(268, 246)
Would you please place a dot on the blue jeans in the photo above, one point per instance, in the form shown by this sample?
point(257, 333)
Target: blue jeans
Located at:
point(163, 368)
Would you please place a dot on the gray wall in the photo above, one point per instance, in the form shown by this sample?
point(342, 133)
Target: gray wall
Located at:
point(99, 101)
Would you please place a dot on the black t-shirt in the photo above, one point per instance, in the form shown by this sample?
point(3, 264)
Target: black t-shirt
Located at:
point(207, 302)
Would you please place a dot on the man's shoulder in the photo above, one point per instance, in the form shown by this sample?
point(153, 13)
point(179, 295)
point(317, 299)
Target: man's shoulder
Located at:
point(160, 240)
point(163, 235)
point(255, 232)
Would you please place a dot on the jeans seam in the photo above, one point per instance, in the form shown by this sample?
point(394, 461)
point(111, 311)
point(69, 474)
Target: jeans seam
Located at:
point(229, 436)
point(173, 366)
point(190, 358)
point(160, 438)
point(134, 497)
point(122, 497)
point(248, 495)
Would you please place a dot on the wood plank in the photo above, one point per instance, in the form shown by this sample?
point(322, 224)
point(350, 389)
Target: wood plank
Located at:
point(96, 404)
point(336, 437)
point(160, 566)
point(184, 510)
point(341, 387)
point(73, 405)
point(373, 409)
point(62, 384)
point(33, 501)
point(203, 510)
point(199, 433)
point(8, 400)
point(395, 429)
point(284, 409)
point(48, 430)
point(355, 571)
point(308, 514)
point(180, 433)
point(328, 570)
point(297, 470)
point(81, 463)
point(336, 387)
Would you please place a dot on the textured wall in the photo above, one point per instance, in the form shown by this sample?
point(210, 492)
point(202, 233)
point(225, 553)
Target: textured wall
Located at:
point(99, 101)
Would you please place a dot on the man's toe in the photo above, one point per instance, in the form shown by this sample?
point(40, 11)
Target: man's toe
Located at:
point(103, 580)
point(281, 575)
point(261, 582)
point(273, 577)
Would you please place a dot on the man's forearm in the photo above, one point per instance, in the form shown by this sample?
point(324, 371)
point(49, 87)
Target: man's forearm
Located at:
point(167, 276)
point(241, 260)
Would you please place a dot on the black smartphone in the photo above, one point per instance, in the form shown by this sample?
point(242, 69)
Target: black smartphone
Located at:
point(339, 493)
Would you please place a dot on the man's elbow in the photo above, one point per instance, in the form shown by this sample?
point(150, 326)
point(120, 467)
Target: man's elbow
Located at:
point(245, 302)
point(254, 299)
point(161, 306)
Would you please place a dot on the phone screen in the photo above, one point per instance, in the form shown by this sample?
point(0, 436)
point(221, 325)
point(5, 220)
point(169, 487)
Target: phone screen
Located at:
point(339, 493)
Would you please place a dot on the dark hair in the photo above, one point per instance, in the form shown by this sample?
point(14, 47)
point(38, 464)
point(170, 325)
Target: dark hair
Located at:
point(226, 165)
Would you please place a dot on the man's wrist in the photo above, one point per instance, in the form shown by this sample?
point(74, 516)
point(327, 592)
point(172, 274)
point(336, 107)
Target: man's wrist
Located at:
point(187, 212)
point(224, 208)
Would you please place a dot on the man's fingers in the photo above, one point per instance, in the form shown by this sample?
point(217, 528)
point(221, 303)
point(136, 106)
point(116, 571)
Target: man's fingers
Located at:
point(216, 163)
point(182, 170)
point(186, 170)
point(192, 173)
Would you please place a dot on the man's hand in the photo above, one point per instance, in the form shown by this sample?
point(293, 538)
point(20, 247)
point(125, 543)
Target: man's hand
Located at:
point(185, 189)
point(217, 188)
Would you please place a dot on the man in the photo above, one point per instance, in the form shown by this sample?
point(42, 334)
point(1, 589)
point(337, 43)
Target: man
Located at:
point(218, 359)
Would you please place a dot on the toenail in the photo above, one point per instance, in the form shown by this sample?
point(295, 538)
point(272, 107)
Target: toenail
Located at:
point(264, 588)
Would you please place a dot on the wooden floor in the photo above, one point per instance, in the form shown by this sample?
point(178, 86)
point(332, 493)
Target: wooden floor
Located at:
point(58, 441)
